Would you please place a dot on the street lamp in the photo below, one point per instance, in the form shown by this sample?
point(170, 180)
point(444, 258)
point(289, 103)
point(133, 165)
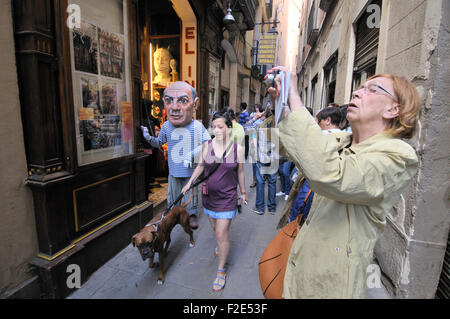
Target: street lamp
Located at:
point(228, 19)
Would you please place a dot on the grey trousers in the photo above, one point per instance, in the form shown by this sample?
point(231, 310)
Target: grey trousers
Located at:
point(174, 190)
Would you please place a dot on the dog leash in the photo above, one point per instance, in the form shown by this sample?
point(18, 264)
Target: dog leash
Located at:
point(192, 186)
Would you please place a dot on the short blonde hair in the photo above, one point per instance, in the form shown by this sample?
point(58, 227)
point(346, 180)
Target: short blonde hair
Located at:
point(404, 125)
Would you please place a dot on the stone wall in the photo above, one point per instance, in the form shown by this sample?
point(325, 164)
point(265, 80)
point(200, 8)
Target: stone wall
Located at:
point(17, 228)
point(414, 42)
point(412, 248)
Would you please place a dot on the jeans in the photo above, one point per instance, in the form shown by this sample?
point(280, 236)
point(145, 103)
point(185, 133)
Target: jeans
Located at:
point(285, 177)
point(260, 183)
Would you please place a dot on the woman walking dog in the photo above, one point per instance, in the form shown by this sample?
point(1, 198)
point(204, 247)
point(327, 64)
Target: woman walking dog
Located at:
point(219, 192)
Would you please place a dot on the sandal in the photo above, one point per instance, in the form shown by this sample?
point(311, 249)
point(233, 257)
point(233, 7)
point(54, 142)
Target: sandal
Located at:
point(216, 252)
point(219, 282)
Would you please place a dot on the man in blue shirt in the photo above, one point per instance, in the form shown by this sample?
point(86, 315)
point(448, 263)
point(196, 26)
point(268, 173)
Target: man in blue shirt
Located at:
point(244, 116)
point(184, 137)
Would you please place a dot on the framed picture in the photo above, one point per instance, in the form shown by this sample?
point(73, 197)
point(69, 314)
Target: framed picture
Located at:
point(109, 98)
point(90, 93)
point(164, 59)
point(101, 83)
point(85, 48)
point(111, 54)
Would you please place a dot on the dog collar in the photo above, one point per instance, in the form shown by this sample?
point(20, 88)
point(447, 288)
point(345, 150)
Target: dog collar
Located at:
point(155, 226)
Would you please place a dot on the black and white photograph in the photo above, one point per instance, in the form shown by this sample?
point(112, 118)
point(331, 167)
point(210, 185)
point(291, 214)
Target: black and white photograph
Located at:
point(109, 98)
point(85, 48)
point(111, 54)
point(90, 92)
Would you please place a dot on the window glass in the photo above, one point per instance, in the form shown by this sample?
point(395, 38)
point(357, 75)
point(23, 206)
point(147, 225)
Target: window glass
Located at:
point(214, 73)
point(101, 81)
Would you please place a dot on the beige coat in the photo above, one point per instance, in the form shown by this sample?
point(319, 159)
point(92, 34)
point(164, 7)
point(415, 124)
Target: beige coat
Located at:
point(354, 189)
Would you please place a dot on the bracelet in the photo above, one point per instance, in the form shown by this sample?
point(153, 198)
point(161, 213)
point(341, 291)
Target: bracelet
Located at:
point(244, 193)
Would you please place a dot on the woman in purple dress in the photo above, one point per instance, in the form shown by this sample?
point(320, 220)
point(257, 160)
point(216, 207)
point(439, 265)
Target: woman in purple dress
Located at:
point(219, 192)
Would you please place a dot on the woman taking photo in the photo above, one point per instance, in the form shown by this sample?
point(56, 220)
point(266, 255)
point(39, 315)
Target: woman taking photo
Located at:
point(357, 178)
point(219, 192)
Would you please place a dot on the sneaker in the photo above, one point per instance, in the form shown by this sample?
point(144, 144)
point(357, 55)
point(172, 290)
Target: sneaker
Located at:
point(286, 197)
point(256, 211)
point(193, 222)
point(279, 194)
point(272, 212)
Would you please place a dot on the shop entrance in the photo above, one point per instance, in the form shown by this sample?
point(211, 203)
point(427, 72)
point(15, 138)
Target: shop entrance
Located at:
point(168, 54)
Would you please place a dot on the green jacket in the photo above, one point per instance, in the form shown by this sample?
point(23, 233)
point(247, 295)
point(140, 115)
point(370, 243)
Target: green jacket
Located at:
point(354, 188)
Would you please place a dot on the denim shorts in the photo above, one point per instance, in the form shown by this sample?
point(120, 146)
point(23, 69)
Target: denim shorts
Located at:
point(221, 215)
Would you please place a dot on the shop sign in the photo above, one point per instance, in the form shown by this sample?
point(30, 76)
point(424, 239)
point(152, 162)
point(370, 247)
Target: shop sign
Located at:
point(267, 48)
point(189, 56)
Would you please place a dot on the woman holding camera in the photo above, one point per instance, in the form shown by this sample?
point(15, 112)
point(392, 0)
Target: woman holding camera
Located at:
point(357, 178)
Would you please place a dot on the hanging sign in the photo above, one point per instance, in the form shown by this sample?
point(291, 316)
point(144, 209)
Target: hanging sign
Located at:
point(267, 48)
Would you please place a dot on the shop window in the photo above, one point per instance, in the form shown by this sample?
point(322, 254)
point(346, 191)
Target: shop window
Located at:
point(165, 58)
point(214, 81)
point(101, 81)
point(313, 92)
point(224, 98)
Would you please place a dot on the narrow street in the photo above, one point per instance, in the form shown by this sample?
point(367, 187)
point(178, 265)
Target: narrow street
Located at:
point(98, 99)
point(190, 272)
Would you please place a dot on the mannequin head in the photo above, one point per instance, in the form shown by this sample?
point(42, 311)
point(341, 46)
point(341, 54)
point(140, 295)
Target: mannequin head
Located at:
point(161, 60)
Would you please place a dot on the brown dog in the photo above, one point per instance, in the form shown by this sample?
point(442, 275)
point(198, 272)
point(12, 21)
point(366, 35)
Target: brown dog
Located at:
point(151, 238)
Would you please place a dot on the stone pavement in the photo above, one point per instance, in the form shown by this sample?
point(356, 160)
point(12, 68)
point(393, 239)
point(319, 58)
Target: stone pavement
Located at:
point(190, 272)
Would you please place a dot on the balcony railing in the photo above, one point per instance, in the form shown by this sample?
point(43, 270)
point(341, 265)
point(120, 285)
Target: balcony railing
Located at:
point(248, 8)
point(327, 5)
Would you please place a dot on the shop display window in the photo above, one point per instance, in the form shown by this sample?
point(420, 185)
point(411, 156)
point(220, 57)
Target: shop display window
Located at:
point(164, 70)
point(101, 81)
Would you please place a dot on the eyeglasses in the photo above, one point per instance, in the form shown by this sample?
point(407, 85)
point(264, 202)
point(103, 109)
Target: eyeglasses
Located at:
point(374, 88)
point(182, 100)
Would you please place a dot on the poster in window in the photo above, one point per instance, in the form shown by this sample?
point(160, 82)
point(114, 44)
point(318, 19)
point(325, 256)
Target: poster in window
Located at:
point(101, 83)
point(111, 54)
point(90, 93)
point(85, 48)
point(101, 132)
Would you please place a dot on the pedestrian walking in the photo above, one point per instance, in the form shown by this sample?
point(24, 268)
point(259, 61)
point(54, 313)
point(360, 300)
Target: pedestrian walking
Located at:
point(219, 192)
point(243, 116)
point(251, 129)
point(267, 160)
point(180, 101)
point(285, 177)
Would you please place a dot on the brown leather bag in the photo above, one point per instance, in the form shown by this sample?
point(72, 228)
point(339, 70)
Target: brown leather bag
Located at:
point(273, 262)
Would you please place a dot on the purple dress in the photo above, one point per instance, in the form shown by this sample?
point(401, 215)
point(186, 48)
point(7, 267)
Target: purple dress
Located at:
point(222, 185)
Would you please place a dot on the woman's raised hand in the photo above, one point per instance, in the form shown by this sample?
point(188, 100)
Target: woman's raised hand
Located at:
point(294, 98)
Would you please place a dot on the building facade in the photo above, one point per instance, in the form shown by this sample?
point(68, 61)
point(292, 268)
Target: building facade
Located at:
point(81, 79)
point(342, 43)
